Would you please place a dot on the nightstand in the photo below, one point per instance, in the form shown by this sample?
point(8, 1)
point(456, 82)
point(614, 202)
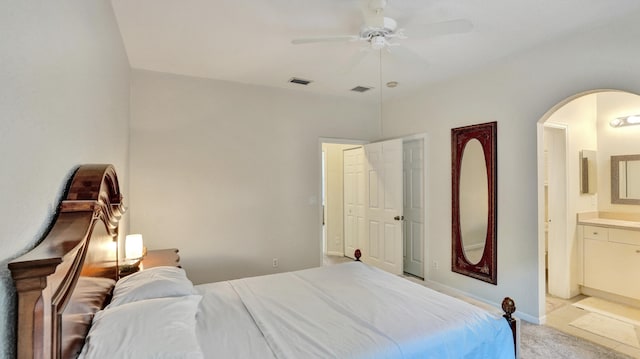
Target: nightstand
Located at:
point(160, 257)
point(128, 267)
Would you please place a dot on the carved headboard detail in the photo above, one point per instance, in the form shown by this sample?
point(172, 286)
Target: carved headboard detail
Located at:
point(81, 241)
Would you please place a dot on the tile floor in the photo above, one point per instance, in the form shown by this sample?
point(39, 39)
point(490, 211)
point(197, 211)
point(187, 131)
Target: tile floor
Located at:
point(561, 312)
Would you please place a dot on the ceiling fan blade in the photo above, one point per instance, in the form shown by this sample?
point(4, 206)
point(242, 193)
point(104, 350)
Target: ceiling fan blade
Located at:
point(356, 59)
point(460, 26)
point(407, 57)
point(343, 38)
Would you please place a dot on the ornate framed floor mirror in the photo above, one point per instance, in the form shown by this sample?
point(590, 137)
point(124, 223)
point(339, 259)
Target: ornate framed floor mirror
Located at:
point(474, 201)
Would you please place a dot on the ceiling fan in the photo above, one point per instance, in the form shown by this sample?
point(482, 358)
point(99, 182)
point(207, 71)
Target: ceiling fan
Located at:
point(381, 32)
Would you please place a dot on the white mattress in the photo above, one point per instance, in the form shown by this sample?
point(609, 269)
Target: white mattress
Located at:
point(349, 310)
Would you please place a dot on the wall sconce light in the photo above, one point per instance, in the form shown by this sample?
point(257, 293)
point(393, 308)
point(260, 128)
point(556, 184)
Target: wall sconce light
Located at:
point(133, 246)
point(625, 121)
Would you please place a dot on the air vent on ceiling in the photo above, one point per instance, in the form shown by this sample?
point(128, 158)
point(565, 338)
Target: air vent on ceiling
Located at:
point(361, 89)
point(299, 81)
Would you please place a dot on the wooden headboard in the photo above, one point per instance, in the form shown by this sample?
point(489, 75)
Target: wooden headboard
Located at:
point(81, 241)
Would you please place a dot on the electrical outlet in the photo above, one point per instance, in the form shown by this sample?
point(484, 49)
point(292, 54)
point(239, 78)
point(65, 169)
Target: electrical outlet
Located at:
point(435, 265)
point(275, 262)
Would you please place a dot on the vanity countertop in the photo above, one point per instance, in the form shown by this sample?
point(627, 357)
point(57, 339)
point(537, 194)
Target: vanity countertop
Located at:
point(610, 223)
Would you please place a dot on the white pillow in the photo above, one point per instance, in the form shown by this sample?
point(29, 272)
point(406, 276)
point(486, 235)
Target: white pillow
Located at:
point(154, 328)
point(157, 282)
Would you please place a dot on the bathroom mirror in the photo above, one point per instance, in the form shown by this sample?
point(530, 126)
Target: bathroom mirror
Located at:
point(588, 172)
point(474, 201)
point(625, 179)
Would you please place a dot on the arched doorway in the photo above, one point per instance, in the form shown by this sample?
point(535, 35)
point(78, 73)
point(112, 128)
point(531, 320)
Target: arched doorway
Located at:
point(577, 126)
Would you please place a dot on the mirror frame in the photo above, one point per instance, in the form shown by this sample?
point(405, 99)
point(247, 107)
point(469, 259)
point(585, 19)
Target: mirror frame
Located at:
point(487, 268)
point(615, 179)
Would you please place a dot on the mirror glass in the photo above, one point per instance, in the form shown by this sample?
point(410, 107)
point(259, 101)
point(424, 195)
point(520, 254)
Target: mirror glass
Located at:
point(588, 172)
point(473, 201)
point(625, 179)
point(474, 205)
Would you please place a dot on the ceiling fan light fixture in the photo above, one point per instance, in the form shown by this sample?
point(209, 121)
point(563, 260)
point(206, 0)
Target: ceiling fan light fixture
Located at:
point(378, 42)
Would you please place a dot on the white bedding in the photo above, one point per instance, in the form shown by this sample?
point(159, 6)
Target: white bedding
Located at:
point(349, 310)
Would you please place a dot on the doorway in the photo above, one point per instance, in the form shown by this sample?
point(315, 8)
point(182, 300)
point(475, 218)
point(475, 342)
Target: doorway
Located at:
point(581, 124)
point(332, 194)
point(354, 207)
point(349, 218)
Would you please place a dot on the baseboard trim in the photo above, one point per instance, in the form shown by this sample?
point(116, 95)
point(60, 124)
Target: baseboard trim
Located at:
point(488, 305)
point(610, 297)
point(341, 254)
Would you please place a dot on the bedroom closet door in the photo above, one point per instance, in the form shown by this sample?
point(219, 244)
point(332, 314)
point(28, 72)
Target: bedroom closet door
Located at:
point(384, 205)
point(354, 211)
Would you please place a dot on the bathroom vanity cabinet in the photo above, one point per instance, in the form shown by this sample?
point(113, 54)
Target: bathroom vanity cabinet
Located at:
point(610, 253)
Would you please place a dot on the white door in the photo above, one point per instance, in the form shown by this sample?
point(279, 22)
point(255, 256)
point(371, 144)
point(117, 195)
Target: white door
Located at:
point(383, 188)
point(413, 171)
point(354, 212)
point(559, 269)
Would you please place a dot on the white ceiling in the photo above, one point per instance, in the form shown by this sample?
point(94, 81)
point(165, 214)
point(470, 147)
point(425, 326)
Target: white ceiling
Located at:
point(249, 41)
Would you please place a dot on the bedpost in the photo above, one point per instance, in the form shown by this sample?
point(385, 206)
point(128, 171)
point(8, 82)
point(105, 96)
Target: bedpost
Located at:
point(357, 254)
point(29, 284)
point(509, 307)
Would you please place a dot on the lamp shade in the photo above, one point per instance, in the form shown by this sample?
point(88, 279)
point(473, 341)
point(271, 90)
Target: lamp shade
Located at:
point(133, 246)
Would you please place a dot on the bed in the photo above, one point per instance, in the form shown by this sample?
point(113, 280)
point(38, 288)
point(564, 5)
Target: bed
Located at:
point(71, 303)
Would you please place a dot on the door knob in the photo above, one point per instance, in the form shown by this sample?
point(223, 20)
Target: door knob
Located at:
point(398, 218)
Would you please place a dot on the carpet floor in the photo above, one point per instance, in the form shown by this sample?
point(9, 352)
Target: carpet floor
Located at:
point(539, 341)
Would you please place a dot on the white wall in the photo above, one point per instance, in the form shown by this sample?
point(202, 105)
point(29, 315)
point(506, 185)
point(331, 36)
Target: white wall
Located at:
point(615, 141)
point(516, 93)
point(230, 173)
point(64, 101)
